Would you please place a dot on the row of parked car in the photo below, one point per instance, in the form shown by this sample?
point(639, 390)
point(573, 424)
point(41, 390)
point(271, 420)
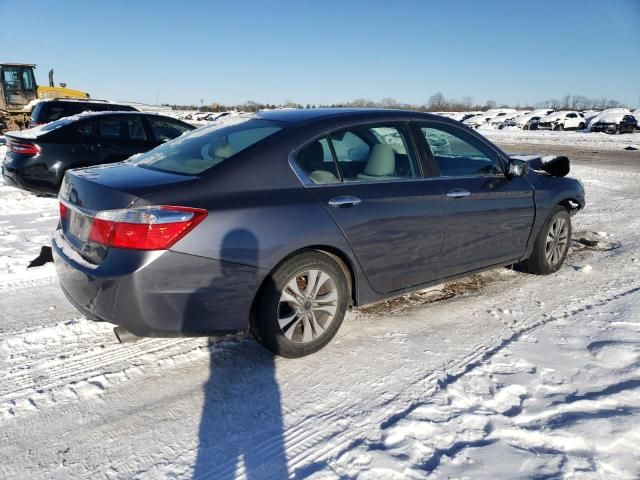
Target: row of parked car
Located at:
point(80, 133)
point(611, 120)
point(69, 133)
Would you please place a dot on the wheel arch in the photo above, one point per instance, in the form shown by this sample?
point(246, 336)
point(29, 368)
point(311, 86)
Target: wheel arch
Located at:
point(571, 204)
point(340, 257)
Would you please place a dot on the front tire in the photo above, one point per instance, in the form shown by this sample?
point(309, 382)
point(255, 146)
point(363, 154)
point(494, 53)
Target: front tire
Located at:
point(551, 245)
point(559, 128)
point(302, 305)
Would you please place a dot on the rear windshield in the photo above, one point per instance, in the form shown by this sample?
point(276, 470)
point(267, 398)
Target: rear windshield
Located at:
point(206, 147)
point(46, 112)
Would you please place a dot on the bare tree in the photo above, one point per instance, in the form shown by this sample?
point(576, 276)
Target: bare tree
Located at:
point(436, 101)
point(389, 102)
point(490, 104)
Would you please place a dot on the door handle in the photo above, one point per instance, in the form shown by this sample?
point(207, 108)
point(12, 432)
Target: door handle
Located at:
point(458, 193)
point(345, 201)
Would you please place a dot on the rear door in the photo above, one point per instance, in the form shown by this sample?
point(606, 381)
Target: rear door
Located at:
point(120, 136)
point(370, 181)
point(489, 215)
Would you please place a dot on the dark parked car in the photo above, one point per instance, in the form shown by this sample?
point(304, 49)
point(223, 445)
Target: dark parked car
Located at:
point(280, 222)
point(616, 123)
point(47, 111)
point(38, 158)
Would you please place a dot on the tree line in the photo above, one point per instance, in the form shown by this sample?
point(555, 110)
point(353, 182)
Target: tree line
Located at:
point(435, 103)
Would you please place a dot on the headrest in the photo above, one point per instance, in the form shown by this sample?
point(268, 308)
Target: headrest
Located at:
point(381, 162)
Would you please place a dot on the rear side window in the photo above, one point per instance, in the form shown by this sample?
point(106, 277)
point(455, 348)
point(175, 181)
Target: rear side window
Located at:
point(50, 112)
point(121, 127)
point(458, 154)
point(387, 156)
point(165, 130)
point(207, 147)
point(317, 162)
point(367, 153)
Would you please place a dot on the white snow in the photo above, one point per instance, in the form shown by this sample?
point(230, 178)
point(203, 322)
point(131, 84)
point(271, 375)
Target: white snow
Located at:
point(574, 139)
point(500, 375)
point(604, 115)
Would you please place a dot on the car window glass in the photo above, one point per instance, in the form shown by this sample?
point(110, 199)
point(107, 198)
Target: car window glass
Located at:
point(316, 161)
point(375, 153)
point(458, 154)
point(56, 111)
point(123, 128)
point(87, 128)
point(350, 147)
point(206, 147)
point(165, 130)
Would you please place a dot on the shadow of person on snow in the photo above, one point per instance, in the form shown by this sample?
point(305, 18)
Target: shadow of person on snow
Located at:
point(241, 428)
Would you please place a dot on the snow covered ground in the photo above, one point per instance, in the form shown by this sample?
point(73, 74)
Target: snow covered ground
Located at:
point(502, 375)
point(575, 139)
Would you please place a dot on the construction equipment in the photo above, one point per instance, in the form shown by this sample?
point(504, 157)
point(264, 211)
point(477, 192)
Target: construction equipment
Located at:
point(19, 92)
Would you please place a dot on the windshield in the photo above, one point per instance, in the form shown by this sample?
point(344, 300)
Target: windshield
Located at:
point(204, 148)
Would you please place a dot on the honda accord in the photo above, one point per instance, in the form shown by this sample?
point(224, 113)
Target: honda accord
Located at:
point(280, 221)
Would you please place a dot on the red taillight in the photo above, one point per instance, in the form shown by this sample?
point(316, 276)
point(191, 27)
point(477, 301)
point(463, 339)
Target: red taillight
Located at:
point(152, 228)
point(24, 148)
point(64, 211)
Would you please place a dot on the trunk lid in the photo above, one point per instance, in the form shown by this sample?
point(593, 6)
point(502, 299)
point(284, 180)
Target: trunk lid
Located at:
point(87, 191)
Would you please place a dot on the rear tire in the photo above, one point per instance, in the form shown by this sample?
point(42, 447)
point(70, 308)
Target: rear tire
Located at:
point(581, 126)
point(551, 245)
point(302, 305)
point(526, 127)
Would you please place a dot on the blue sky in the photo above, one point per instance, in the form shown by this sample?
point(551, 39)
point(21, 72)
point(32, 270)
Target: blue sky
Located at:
point(330, 51)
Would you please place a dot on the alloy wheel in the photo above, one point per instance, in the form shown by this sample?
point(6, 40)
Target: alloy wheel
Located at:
point(557, 241)
point(307, 306)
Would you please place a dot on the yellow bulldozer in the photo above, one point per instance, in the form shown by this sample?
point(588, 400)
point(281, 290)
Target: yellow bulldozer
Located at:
point(19, 92)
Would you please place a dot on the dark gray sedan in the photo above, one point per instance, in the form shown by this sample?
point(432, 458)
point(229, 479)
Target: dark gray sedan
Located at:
point(280, 221)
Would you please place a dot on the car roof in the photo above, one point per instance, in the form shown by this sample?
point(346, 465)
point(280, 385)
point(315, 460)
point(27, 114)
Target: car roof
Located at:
point(82, 100)
point(300, 115)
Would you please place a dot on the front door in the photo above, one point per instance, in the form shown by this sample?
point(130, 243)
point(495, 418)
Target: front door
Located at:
point(488, 214)
point(393, 218)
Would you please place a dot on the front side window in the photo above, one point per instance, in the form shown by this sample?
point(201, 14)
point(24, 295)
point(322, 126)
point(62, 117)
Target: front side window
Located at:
point(207, 147)
point(458, 154)
point(28, 82)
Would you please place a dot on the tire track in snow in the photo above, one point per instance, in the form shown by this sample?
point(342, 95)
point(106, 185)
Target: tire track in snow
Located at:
point(308, 451)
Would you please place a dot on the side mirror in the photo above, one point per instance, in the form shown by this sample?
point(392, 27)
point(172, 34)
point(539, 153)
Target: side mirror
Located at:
point(518, 168)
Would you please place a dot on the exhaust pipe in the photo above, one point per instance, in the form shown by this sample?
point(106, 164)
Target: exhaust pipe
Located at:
point(125, 336)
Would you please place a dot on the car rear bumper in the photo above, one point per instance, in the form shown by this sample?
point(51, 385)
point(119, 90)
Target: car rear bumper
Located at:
point(158, 293)
point(29, 174)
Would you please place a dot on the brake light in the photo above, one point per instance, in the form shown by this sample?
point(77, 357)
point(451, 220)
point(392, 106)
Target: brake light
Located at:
point(150, 228)
point(64, 211)
point(24, 148)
